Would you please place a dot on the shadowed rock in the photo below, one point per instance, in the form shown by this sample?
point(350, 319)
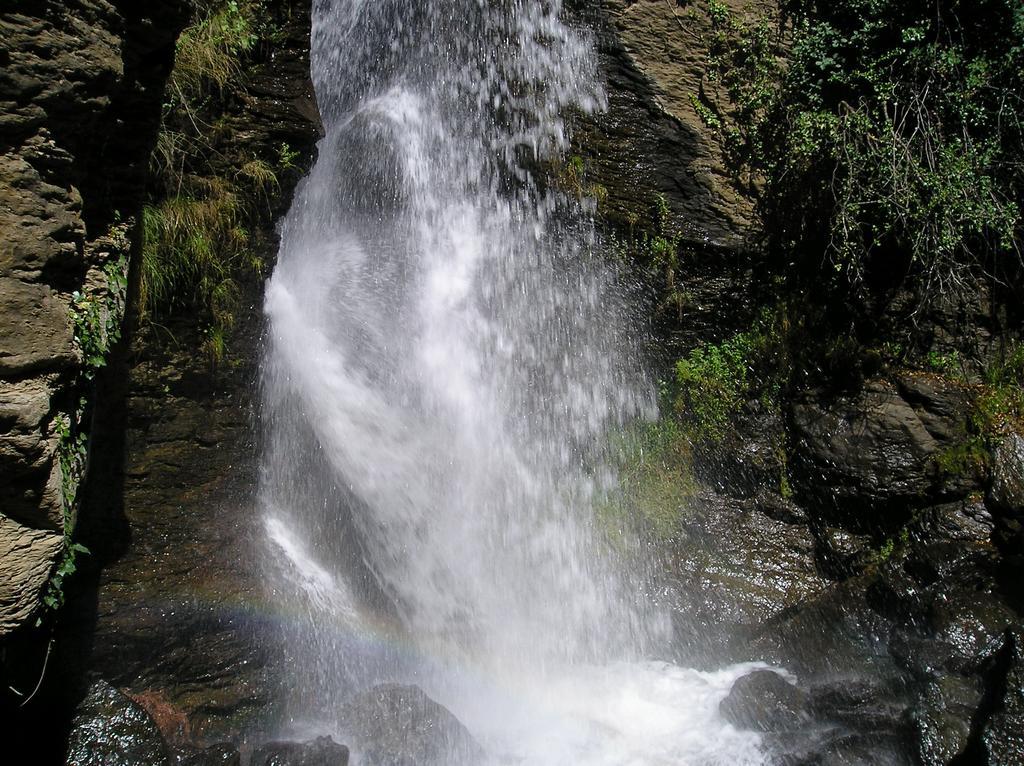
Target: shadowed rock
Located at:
point(1003, 735)
point(764, 701)
point(224, 754)
point(942, 718)
point(397, 725)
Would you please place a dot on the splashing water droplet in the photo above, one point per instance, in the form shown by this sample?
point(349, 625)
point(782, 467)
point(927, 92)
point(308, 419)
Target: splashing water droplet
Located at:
point(447, 351)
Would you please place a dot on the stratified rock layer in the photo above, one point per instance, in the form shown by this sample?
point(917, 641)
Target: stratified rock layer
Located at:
point(169, 506)
point(80, 92)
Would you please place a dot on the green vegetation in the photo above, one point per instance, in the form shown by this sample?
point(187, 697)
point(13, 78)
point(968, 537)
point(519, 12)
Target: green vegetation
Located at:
point(72, 450)
point(950, 365)
point(209, 53)
point(891, 546)
point(571, 177)
point(699, 405)
point(997, 409)
point(654, 462)
point(96, 316)
point(713, 381)
point(206, 201)
point(193, 247)
point(286, 157)
point(890, 142)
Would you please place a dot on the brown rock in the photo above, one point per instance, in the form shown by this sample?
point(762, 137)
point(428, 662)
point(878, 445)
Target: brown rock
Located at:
point(35, 330)
point(26, 557)
point(80, 97)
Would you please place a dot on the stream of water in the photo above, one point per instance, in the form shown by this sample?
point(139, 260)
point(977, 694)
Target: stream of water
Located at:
point(448, 351)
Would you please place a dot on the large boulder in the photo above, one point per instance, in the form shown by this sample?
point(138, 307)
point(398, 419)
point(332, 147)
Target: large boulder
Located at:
point(109, 729)
point(764, 701)
point(878, 448)
point(393, 725)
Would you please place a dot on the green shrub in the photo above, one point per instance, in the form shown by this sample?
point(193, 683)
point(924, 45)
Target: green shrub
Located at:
point(891, 136)
point(713, 381)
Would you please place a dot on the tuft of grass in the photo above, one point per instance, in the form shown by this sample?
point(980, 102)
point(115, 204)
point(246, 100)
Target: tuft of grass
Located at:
point(571, 177)
point(656, 483)
point(209, 52)
point(260, 174)
point(194, 246)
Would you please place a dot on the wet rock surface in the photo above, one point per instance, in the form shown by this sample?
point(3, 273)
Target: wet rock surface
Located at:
point(942, 718)
point(1003, 733)
point(216, 755)
point(734, 567)
point(764, 701)
point(322, 751)
point(394, 725)
point(1008, 474)
point(111, 730)
point(884, 589)
point(872, 449)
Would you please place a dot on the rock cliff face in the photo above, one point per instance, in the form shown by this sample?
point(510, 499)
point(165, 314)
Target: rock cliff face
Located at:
point(168, 441)
point(888, 583)
point(651, 139)
point(831, 535)
point(81, 86)
point(175, 613)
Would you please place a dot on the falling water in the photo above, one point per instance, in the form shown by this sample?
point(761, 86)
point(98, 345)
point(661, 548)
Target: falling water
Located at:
point(447, 353)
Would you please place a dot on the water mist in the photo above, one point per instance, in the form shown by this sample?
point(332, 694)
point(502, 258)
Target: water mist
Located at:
point(447, 354)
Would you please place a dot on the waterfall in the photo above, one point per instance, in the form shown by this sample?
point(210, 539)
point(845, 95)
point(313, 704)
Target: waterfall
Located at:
point(448, 351)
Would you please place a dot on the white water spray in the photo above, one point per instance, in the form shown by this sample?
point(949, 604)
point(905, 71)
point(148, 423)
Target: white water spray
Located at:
point(447, 355)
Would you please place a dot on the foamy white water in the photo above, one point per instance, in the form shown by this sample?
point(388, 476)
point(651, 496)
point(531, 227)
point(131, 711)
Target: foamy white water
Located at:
point(447, 352)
